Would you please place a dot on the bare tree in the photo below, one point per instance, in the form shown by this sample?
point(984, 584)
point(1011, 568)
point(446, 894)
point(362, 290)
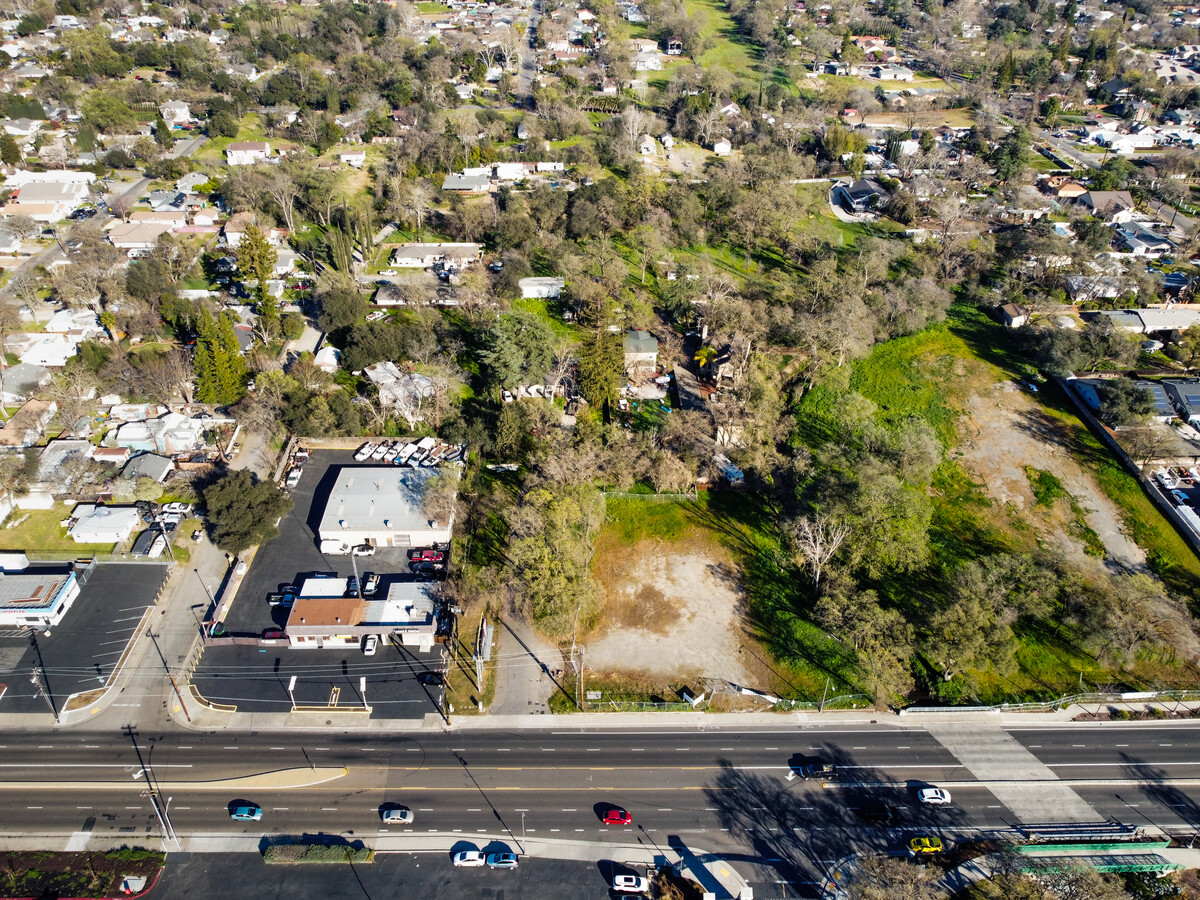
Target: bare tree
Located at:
point(25, 286)
point(21, 226)
point(120, 206)
point(284, 190)
point(817, 539)
point(634, 123)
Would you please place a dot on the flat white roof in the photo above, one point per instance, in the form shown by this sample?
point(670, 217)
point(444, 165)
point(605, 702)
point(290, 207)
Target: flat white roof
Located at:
point(407, 603)
point(377, 499)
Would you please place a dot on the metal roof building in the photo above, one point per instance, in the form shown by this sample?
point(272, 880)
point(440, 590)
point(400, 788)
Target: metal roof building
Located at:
point(382, 505)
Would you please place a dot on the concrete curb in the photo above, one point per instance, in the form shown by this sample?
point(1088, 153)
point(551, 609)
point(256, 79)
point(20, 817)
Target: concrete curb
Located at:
point(281, 779)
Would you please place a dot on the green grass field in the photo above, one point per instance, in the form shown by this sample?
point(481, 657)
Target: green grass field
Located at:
point(42, 531)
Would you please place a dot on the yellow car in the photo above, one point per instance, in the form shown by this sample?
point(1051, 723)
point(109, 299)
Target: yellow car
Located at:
point(925, 845)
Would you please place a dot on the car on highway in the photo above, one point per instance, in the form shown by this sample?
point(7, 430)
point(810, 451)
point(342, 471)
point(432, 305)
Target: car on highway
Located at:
point(398, 814)
point(923, 844)
point(247, 812)
point(822, 770)
point(933, 796)
point(468, 859)
point(370, 644)
point(617, 816)
point(431, 678)
point(876, 813)
point(630, 884)
point(502, 860)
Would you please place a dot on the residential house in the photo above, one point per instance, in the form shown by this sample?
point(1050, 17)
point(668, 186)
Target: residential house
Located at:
point(674, 47)
point(1114, 207)
point(92, 524)
point(326, 359)
point(1095, 393)
point(354, 158)
point(722, 148)
point(646, 145)
point(1087, 288)
point(171, 433)
point(541, 288)
point(46, 200)
point(422, 256)
point(21, 382)
point(892, 72)
point(149, 465)
point(164, 200)
point(27, 426)
point(137, 237)
point(1185, 397)
point(1013, 316)
point(190, 182)
point(1141, 240)
point(176, 218)
point(860, 196)
point(641, 353)
point(467, 184)
point(247, 153)
point(175, 112)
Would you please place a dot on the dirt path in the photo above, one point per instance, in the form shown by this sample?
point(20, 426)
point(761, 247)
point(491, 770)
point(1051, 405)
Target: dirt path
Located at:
point(1006, 430)
point(671, 614)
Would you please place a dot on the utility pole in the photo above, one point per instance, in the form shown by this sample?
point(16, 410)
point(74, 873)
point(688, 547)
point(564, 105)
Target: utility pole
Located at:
point(362, 691)
point(175, 684)
point(291, 689)
point(37, 679)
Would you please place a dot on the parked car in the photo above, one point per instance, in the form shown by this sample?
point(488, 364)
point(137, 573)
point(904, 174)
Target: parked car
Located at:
point(274, 634)
point(364, 452)
point(502, 860)
point(468, 858)
point(293, 477)
point(363, 550)
point(248, 812)
point(925, 844)
point(197, 535)
point(398, 814)
point(351, 586)
point(934, 796)
point(630, 884)
point(617, 816)
point(426, 555)
point(1180, 497)
point(370, 644)
point(370, 584)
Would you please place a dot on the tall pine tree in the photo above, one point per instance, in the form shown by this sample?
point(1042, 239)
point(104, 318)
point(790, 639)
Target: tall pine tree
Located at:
point(256, 262)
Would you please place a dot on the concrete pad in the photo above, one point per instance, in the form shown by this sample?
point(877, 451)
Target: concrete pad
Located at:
point(1018, 778)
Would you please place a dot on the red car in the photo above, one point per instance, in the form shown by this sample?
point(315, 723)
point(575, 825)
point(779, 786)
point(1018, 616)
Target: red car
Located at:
point(617, 817)
point(426, 556)
point(273, 634)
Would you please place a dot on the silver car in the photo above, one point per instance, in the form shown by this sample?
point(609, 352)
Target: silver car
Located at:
point(400, 815)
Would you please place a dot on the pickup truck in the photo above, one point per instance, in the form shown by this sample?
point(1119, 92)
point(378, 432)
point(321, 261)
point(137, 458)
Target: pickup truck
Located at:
point(824, 771)
point(282, 600)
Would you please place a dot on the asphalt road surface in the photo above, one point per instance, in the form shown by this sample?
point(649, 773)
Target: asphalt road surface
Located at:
point(714, 787)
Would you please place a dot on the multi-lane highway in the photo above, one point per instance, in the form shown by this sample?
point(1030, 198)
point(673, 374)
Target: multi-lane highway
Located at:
point(727, 785)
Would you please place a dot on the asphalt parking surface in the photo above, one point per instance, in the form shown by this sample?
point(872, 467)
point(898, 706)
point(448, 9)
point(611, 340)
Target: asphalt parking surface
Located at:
point(82, 651)
point(424, 875)
point(255, 679)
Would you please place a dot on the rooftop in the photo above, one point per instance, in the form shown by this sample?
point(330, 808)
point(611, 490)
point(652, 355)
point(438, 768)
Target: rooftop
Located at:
point(377, 498)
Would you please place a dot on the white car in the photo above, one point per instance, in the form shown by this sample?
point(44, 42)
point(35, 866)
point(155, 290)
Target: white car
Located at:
point(630, 884)
point(363, 550)
point(469, 858)
point(370, 644)
point(364, 452)
point(934, 796)
point(398, 814)
point(293, 477)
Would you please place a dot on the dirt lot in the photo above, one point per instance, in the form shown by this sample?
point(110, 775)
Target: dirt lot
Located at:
point(673, 612)
point(1006, 430)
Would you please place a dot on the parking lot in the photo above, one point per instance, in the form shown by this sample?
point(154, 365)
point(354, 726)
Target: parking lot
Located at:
point(81, 652)
point(255, 679)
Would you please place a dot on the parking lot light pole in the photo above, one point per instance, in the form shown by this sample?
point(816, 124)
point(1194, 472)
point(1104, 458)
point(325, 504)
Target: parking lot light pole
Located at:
point(362, 690)
point(292, 692)
point(207, 590)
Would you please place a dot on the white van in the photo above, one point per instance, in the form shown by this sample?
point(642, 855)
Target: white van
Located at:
point(335, 547)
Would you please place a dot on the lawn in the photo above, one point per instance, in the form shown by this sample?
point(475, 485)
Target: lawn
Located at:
point(213, 152)
point(42, 532)
point(729, 50)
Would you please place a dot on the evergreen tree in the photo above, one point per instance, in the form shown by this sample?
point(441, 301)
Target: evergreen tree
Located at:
point(256, 262)
point(85, 137)
point(9, 151)
point(162, 134)
point(1008, 72)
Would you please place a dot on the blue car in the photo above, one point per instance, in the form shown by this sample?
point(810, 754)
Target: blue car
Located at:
point(250, 813)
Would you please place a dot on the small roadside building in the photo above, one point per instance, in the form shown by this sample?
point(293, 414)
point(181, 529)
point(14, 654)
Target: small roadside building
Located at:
point(92, 524)
point(641, 353)
point(324, 617)
point(35, 597)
